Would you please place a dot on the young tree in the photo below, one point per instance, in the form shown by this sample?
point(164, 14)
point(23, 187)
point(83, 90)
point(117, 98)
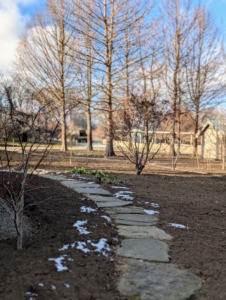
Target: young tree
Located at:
point(20, 125)
point(204, 73)
point(135, 128)
point(46, 63)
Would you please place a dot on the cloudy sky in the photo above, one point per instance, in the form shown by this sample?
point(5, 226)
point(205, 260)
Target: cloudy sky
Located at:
point(14, 15)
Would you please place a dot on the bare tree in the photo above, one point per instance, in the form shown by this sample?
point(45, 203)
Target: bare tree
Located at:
point(180, 19)
point(135, 128)
point(204, 73)
point(46, 63)
point(16, 124)
point(110, 20)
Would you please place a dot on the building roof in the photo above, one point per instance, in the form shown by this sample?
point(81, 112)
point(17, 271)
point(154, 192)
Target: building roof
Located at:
point(218, 124)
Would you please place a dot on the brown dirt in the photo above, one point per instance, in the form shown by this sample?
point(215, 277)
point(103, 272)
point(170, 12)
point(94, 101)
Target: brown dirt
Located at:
point(91, 276)
point(198, 202)
point(194, 200)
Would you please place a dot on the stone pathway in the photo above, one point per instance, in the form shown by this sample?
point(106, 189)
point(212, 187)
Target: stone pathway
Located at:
point(143, 255)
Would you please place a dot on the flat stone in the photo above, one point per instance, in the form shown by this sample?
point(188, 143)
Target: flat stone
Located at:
point(53, 176)
point(113, 204)
point(79, 184)
point(92, 191)
point(141, 232)
point(125, 210)
point(135, 219)
point(156, 281)
point(98, 198)
point(146, 249)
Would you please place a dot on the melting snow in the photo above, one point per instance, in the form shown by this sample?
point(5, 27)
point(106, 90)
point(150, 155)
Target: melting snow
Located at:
point(65, 247)
point(101, 246)
point(119, 187)
point(122, 195)
point(58, 262)
point(151, 212)
point(106, 218)
point(87, 209)
point(67, 285)
point(155, 205)
point(82, 246)
point(53, 287)
point(177, 225)
point(82, 230)
point(40, 284)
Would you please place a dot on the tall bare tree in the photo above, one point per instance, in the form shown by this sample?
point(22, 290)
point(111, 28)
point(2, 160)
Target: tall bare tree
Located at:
point(45, 60)
point(205, 78)
point(180, 20)
point(109, 19)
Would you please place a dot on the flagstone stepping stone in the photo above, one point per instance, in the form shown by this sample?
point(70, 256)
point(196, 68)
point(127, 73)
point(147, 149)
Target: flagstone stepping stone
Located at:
point(79, 184)
point(156, 281)
point(140, 232)
point(146, 249)
point(125, 210)
point(135, 219)
point(92, 191)
point(112, 204)
point(52, 176)
point(98, 198)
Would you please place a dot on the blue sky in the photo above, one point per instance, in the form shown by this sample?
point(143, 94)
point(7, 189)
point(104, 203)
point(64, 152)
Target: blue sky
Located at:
point(14, 15)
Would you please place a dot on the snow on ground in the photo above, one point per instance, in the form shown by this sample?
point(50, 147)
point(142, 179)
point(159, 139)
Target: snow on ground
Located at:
point(101, 246)
point(151, 212)
point(59, 263)
point(177, 225)
point(106, 218)
point(82, 230)
point(122, 194)
point(87, 209)
point(53, 287)
point(155, 205)
point(41, 284)
point(119, 187)
point(82, 246)
point(65, 247)
point(67, 285)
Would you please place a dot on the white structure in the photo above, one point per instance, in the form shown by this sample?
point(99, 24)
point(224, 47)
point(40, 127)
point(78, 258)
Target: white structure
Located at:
point(213, 134)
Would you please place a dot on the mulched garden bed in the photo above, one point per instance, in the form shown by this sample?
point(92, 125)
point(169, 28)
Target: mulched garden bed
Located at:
point(28, 274)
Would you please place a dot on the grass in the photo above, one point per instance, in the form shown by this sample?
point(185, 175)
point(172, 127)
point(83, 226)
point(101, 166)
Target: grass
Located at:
point(101, 176)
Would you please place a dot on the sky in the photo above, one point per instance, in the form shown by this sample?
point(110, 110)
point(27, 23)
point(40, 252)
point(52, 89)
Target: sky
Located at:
point(15, 14)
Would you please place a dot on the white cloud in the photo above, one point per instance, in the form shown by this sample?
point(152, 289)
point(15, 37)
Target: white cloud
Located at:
point(12, 25)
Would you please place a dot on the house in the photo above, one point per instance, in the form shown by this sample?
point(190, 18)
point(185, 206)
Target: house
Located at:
point(213, 134)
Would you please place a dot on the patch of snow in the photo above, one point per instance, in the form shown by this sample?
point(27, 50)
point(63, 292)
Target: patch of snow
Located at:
point(146, 202)
point(90, 182)
point(70, 259)
point(155, 205)
point(53, 287)
point(106, 218)
point(82, 230)
point(40, 284)
point(123, 196)
point(28, 293)
point(101, 246)
point(87, 209)
point(67, 285)
point(115, 239)
point(120, 187)
point(151, 212)
point(82, 246)
point(65, 247)
point(177, 225)
point(59, 263)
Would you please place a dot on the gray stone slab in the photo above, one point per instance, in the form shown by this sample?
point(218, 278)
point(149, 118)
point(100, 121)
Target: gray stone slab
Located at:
point(125, 210)
point(53, 176)
point(92, 191)
point(79, 184)
point(135, 219)
point(156, 281)
point(146, 249)
point(113, 204)
point(141, 232)
point(98, 198)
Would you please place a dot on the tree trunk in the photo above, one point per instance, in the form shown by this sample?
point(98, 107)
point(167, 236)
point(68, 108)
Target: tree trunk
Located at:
point(63, 131)
point(19, 227)
point(89, 128)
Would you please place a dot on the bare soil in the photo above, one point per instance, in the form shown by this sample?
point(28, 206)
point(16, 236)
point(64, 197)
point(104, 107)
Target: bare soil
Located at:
point(90, 275)
point(196, 200)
